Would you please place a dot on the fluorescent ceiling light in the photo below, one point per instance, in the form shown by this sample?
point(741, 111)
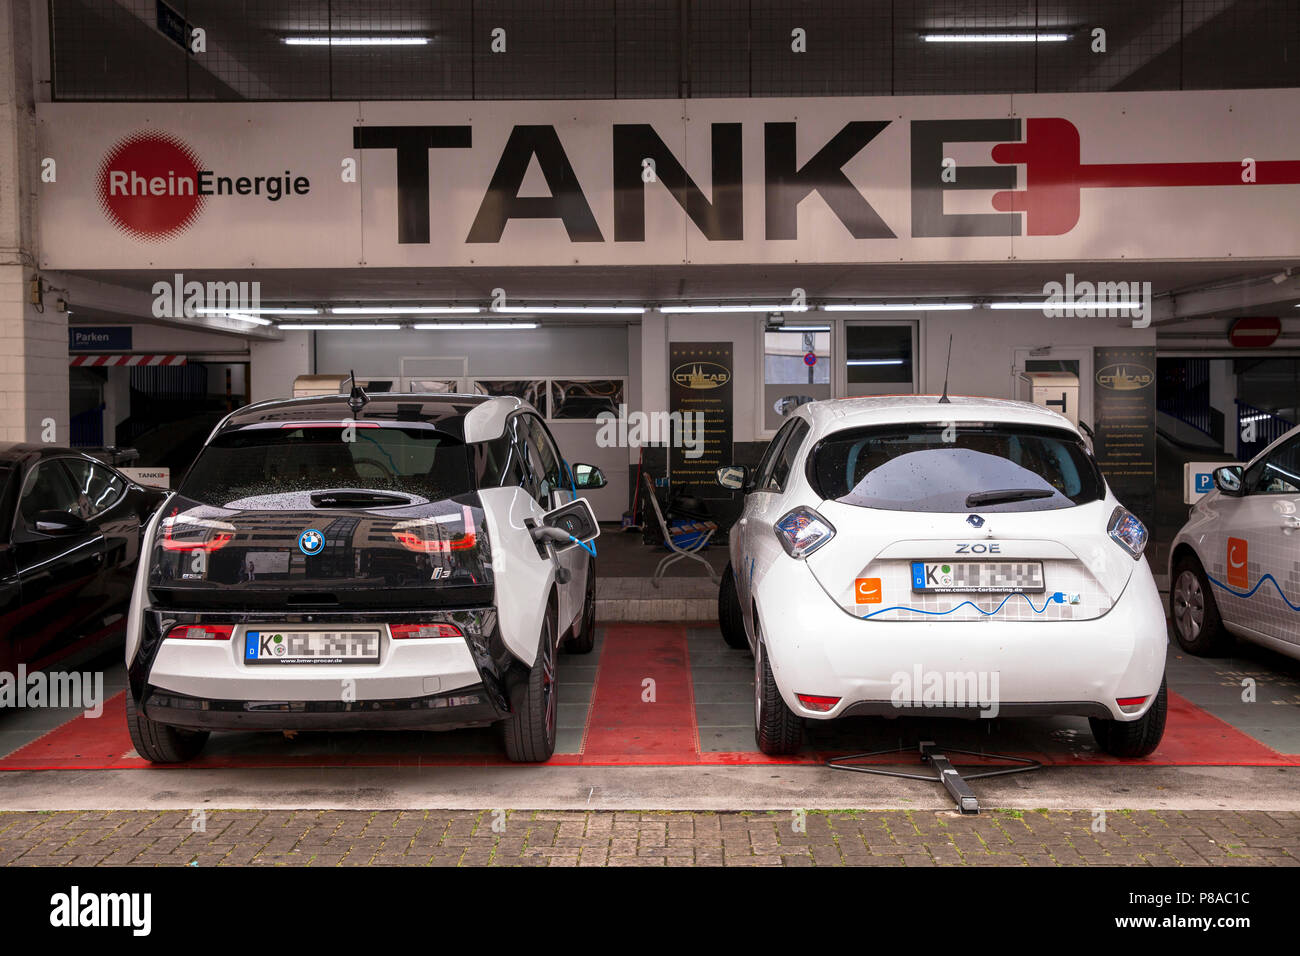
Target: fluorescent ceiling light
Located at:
point(354, 41)
point(1064, 305)
point(778, 307)
point(473, 326)
point(335, 326)
point(407, 310)
point(241, 317)
point(897, 361)
point(899, 307)
point(276, 311)
point(798, 328)
point(561, 309)
point(995, 37)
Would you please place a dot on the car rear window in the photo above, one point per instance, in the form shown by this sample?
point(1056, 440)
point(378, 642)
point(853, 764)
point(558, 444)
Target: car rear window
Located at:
point(937, 468)
point(265, 461)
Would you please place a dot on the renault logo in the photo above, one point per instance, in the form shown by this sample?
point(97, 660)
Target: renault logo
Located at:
point(975, 521)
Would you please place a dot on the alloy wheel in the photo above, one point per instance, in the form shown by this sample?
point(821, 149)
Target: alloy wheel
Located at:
point(1189, 606)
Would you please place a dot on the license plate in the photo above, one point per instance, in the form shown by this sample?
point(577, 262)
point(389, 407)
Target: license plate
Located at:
point(977, 577)
point(311, 647)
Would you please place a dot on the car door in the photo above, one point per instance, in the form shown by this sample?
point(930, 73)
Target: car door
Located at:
point(1261, 547)
point(60, 575)
point(102, 492)
point(553, 488)
point(760, 546)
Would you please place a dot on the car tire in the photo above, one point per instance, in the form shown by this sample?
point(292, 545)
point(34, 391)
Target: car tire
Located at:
point(777, 729)
point(1133, 738)
point(1193, 612)
point(584, 639)
point(161, 743)
point(528, 734)
point(730, 620)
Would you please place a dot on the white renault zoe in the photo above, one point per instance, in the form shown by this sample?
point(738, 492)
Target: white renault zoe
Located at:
point(1235, 566)
point(906, 555)
point(335, 563)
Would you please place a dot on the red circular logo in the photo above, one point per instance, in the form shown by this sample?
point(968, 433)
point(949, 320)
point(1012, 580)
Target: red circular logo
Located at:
point(148, 186)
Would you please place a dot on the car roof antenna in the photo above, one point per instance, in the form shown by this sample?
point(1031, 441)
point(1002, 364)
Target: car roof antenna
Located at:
point(943, 399)
point(357, 398)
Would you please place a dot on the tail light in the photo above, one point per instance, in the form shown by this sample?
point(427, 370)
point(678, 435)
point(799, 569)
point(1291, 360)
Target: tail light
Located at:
point(407, 631)
point(803, 531)
point(820, 704)
point(425, 535)
point(1130, 705)
point(186, 533)
point(1128, 532)
point(201, 632)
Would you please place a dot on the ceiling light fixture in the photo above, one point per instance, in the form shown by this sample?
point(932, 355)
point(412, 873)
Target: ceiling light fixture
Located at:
point(406, 310)
point(473, 326)
point(562, 309)
point(335, 327)
point(241, 317)
point(354, 41)
point(734, 308)
point(296, 310)
point(899, 307)
point(995, 37)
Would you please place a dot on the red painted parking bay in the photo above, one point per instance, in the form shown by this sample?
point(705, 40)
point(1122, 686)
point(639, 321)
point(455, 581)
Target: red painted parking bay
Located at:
point(642, 713)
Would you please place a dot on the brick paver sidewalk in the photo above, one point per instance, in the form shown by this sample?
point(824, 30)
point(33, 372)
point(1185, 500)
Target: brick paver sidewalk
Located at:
point(608, 838)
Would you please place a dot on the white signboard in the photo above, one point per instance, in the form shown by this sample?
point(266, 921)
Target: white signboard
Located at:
point(153, 477)
point(1070, 177)
point(1198, 479)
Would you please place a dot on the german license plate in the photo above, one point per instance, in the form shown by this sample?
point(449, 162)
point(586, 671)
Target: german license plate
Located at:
point(311, 647)
point(977, 577)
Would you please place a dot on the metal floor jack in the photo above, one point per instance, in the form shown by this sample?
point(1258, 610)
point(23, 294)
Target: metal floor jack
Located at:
point(944, 772)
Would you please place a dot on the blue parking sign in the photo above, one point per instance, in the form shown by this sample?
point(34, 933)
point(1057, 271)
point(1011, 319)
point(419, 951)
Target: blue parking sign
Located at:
point(1204, 482)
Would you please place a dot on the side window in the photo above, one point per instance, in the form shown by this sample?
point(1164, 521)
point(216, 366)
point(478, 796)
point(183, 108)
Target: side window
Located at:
point(48, 488)
point(1278, 473)
point(548, 459)
point(784, 459)
point(500, 464)
point(99, 488)
point(763, 473)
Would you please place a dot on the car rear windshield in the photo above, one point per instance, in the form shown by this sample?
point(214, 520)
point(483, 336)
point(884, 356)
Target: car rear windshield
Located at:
point(957, 468)
point(267, 461)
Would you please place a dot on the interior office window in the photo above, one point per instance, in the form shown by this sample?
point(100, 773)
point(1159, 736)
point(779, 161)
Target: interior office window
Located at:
point(588, 398)
point(878, 355)
point(796, 369)
point(532, 391)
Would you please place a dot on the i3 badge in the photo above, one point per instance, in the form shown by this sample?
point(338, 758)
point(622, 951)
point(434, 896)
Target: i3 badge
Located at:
point(310, 542)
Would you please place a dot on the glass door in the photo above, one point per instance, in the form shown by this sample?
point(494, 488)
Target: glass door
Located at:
point(879, 358)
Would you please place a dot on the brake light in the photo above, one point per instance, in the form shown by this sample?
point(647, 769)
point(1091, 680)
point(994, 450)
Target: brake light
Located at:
point(201, 632)
point(187, 533)
point(412, 535)
point(803, 531)
point(819, 704)
point(1128, 532)
point(405, 631)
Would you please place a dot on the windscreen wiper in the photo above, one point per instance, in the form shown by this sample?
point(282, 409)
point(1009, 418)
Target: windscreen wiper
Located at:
point(357, 499)
point(1003, 495)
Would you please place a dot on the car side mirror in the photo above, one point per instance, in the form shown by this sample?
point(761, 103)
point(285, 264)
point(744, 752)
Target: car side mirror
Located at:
point(1229, 480)
point(588, 477)
point(60, 523)
point(734, 477)
point(575, 518)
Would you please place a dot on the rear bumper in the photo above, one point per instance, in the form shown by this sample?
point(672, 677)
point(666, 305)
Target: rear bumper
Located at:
point(421, 682)
point(468, 706)
point(965, 668)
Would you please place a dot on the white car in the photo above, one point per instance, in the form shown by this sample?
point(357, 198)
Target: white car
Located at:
point(344, 563)
point(1234, 568)
point(905, 555)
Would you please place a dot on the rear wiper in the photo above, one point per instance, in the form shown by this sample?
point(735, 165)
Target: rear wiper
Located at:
point(1003, 495)
point(354, 499)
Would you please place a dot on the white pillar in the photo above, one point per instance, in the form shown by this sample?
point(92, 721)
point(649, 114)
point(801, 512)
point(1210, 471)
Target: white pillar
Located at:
point(33, 345)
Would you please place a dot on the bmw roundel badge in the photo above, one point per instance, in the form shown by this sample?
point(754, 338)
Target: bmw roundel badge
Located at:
point(310, 542)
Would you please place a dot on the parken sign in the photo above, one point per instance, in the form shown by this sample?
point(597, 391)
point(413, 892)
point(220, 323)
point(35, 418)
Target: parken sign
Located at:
point(627, 182)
